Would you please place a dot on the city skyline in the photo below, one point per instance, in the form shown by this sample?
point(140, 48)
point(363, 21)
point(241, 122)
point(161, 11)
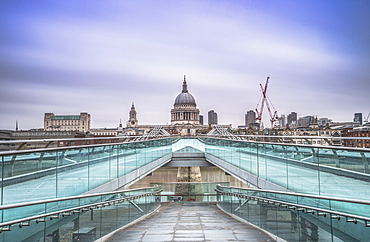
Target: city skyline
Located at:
point(98, 57)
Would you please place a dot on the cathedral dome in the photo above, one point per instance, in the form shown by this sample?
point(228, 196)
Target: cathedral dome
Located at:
point(185, 97)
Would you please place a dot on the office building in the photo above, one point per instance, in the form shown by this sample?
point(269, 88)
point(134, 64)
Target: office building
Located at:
point(212, 117)
point(358, 118)
point(201, 120)
point(250, 118)
point(324, 121)
point(282, 121)
point(292, 119)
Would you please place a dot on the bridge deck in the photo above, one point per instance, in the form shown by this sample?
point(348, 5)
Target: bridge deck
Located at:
point(190, 222)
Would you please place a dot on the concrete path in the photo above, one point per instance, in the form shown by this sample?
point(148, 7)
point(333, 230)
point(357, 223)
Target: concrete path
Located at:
point(190, 222)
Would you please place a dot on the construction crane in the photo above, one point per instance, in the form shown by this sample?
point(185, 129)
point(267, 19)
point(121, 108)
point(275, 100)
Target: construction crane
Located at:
point(264, 99)
point(367, 118)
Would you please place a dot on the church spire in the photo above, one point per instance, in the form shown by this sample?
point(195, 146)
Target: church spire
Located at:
point(184, 86)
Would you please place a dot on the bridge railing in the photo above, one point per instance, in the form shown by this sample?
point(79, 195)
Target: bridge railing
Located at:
point(27, 144)
point(297, 216)
point(301, 168)
point(78, 218)
point(36, 174)
point(358, 142)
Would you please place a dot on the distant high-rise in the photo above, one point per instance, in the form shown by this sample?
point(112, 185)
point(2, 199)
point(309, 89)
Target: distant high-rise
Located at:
point(201, 119)
point(305, 121)
point(292, 119)
point(324, 121)
point(282, 121)
point(250, 118)
point(212, 117)
point(358, 118)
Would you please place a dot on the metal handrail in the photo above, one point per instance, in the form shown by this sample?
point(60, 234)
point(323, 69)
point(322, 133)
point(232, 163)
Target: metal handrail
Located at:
point(300, 207)
point(337, 199)
point(305, 137)
point(63, 139)
point(199, 135)
point(308, 209)
point(13, 152)
point(134, 139)
point(171, 135)
point(17, 205)
point(71, 139)
point(357, 149)
point(6, 226)
point(292, 136)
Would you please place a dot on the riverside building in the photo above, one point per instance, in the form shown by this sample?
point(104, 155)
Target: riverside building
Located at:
point(80, 123)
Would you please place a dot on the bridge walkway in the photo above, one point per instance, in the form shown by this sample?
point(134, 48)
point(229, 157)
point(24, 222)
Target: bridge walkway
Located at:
point(189, 222)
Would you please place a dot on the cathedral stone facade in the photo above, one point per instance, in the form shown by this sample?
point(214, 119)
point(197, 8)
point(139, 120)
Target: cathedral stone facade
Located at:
point(185, 108)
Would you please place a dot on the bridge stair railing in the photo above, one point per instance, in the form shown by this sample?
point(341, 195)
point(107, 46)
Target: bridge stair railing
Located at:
point(77, 218)
point(296, 216)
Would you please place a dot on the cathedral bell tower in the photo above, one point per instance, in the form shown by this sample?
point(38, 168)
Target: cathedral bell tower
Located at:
point(132, 121)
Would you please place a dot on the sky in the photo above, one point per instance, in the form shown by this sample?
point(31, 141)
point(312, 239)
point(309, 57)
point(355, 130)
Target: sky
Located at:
point(72, 56)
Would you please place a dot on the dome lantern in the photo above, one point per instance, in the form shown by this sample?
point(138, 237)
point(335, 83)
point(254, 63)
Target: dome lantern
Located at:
point(184, 86)
point(185, 97)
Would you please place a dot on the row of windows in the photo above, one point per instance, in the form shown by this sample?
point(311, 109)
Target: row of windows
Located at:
point(67, 117)
point(187, 105)
point(364, 145)
point(309, 133)
point(66, 128)
point(65, 122)
point(313, 142)
point(363, 134)
point(359, 142)
point(109, 133)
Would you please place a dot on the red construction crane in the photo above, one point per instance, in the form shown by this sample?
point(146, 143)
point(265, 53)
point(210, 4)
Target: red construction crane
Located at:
point(264, 99)
point(366, 119)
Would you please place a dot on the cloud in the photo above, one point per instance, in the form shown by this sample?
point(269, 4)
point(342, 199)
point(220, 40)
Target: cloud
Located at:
point(70, 57)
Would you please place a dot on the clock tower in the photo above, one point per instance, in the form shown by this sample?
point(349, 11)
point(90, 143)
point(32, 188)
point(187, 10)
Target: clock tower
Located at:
point(132, 121)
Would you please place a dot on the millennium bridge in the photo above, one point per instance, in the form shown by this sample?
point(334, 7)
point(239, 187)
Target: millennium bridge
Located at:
point(92, 189)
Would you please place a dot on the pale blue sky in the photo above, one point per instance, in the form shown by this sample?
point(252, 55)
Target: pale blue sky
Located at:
point(75, 56)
